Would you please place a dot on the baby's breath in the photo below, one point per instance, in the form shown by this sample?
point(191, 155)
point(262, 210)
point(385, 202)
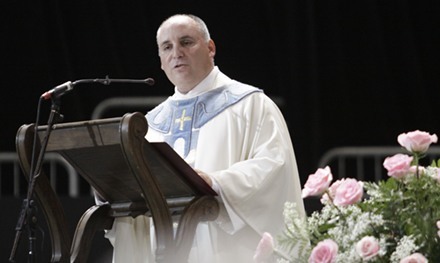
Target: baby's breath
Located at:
point(405, 247)
point(401, 214)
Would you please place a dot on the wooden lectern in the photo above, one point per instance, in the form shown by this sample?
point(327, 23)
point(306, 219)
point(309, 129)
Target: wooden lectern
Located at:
point(134, 176)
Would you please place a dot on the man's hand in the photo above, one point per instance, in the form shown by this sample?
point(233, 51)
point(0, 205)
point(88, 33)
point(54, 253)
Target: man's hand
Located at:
point(205, 177)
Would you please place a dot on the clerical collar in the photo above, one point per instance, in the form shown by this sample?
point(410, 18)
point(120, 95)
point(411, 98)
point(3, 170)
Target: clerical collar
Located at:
point(214, 80)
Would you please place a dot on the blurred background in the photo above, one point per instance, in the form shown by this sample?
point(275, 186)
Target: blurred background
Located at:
point(344, 73)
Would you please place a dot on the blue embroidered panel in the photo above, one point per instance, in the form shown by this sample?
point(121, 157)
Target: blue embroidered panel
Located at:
point(180, 120)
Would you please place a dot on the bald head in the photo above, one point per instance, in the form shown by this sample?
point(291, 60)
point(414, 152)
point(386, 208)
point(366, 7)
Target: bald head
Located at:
point(186, 50)
point(184, 18)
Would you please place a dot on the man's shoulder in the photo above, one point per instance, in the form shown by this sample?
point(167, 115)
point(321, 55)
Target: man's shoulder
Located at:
point(229, 94)
point(238, 88)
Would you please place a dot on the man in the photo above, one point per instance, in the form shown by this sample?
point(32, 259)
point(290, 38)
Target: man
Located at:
point(236, 139)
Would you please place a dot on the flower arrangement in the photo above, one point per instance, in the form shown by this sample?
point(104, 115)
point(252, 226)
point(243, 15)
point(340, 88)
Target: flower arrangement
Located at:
point(395, 220)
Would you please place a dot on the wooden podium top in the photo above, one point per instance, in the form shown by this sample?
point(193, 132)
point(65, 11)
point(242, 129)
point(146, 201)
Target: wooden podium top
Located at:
point(95, 149)
point(134, 176)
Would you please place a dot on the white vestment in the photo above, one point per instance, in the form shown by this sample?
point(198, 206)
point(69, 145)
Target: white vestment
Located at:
point(247, 151)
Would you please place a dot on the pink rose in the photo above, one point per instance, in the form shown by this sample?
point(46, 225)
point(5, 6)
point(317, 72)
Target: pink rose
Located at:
point(348, 192)
point(398, 165)
point(324, 252)
point(414, 258)
point(331, 192)
point(334, 187)
point(416, 141)
point(264, 249)
point(318, 182)
point(413, 170)
point(367, 248)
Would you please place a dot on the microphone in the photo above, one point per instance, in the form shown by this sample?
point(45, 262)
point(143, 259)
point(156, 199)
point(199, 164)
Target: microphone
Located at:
point(58, 91)
point(62, 89)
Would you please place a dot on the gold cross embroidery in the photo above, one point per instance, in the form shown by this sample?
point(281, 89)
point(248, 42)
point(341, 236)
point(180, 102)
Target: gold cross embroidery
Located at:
point(182, 119)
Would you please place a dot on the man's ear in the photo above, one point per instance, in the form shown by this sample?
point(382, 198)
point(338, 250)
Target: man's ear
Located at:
point(211, 47)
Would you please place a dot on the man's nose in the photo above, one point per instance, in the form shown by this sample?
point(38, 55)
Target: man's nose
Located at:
point(177, 52)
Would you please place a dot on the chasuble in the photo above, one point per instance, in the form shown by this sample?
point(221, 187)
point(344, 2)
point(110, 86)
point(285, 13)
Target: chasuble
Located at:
point(238, 136)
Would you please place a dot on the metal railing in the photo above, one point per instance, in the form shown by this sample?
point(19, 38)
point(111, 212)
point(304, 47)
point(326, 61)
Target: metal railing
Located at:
point(365, 163)
point(126, 103)
point(13, 182)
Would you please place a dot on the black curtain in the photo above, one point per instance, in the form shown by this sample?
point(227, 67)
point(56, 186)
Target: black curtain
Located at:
point(349, 72)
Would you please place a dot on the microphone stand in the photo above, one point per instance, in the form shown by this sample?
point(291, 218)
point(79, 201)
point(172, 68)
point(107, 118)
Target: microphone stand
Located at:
point(28, 213)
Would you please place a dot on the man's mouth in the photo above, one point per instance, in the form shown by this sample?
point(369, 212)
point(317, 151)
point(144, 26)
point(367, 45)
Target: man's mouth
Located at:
point(179, 65)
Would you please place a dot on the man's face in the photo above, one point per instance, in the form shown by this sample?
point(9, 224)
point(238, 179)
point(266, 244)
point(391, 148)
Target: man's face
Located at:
point(185, 56)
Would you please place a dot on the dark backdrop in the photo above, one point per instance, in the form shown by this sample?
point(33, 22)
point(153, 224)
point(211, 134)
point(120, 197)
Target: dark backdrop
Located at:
point(355, 72)
point(349, 72)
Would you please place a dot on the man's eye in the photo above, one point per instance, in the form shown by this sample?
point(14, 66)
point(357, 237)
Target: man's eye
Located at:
point(166, 47)
point(187, 43)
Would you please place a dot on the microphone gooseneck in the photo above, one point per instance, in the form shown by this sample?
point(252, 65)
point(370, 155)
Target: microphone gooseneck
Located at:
point(62, 89)
point(108, 81)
